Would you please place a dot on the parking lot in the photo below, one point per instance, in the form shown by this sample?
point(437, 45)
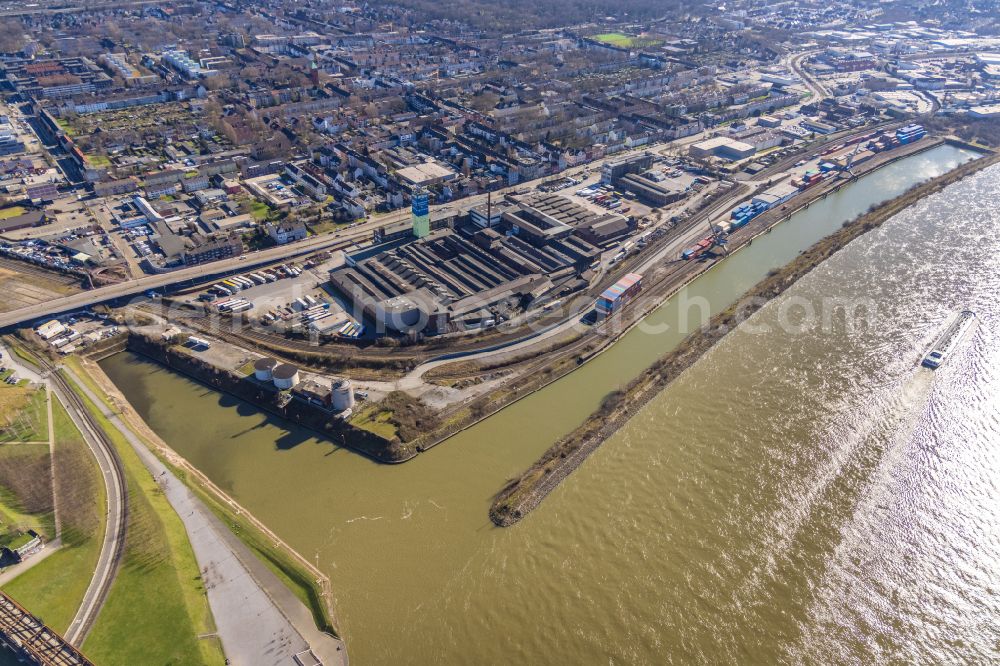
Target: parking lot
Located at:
point(289, 295)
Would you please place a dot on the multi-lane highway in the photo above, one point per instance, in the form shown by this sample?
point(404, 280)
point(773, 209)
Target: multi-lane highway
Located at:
point(178, 277)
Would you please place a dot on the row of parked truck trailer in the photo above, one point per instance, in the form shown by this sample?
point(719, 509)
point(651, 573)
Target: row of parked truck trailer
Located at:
point(232, 285)
point(316, 315)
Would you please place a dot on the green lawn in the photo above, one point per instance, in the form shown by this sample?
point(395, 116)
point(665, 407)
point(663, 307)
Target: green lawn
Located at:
point(614, 38)
point(626, 41)
point(260, 210)
point(325, 227)
point(66, 127)
point(11, 211)
point(15, 522)
point(375, 420)
point(54, 588)
point(246, 369)
point(15, 540)
point(15, 516)
point(23, 415)
point(157, 606)
point(99, 161)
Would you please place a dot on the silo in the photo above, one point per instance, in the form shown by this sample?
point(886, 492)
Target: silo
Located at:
point(343, 395)
point(263, 368)
point(285, 376)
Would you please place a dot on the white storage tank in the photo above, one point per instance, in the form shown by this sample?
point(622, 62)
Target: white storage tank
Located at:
point(285, 376)
point(343, 395)
point(263, 367)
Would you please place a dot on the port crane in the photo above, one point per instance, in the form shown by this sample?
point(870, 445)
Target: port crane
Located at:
point(718, 239)
point(848, 166)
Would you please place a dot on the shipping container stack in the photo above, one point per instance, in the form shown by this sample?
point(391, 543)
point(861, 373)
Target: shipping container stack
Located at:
point(618, 294)
point(910, 133)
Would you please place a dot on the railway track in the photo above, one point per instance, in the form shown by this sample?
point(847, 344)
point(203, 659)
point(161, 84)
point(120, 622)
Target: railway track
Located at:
point(276, 342)
point(32, 639)
point(28, 268)
point(249, 337)
point(113, 472)
point(830, 139)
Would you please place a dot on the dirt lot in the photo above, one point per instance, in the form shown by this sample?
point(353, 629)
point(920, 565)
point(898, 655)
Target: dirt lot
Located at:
point(21, 289)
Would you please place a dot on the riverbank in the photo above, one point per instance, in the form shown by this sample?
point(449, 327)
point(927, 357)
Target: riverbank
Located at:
point(338, 431)
point(294, 572)
point(535, 367)
point(540, 368)
point(523, 493)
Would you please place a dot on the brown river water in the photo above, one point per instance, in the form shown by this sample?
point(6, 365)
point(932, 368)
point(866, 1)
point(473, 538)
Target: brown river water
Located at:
point(803, 494)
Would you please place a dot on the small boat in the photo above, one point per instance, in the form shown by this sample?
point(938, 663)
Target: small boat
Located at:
point(945, 343)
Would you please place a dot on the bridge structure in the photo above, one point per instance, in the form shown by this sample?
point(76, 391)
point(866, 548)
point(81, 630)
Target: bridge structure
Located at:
point(180, 278)
point(32, 640)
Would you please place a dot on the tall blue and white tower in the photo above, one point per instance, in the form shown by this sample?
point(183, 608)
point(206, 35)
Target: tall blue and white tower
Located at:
point(420, 208)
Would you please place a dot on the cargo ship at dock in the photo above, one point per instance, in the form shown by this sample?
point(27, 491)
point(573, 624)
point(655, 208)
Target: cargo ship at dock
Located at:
point(949, 339)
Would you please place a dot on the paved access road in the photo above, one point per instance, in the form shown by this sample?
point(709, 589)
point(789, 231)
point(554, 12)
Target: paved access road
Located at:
point(113, 546)
point(259, 621)
point(360, 233)
point(814, 86)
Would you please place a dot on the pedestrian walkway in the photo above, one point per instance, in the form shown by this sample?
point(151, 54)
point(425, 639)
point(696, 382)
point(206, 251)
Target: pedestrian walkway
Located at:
point(259, 620)
point(13, 571)
point(56, 517)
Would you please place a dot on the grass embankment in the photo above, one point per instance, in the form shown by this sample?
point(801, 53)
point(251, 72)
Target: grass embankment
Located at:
point(397, 416)
point(23, 414)
point(300, 581)
point(54, 588)
point(157, 606)
point(303, 583)
point(25, 492)
point(20, 352)
point(522, 494)
point(11, 211)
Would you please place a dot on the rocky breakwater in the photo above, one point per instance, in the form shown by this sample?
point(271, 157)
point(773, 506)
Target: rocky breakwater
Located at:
point(522, 494)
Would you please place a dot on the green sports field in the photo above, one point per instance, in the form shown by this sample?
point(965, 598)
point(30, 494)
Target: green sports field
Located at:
point(626, 41)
